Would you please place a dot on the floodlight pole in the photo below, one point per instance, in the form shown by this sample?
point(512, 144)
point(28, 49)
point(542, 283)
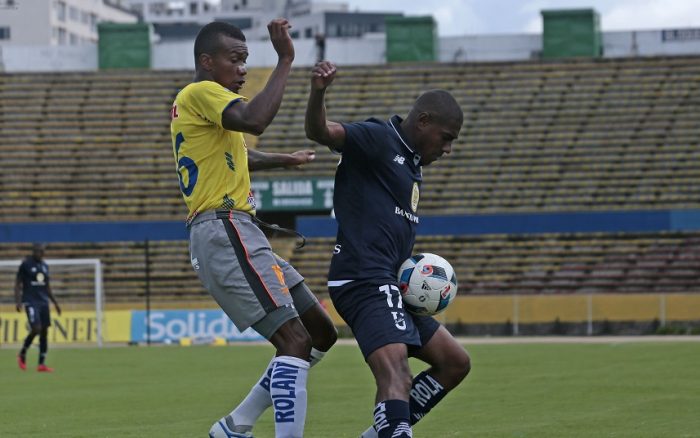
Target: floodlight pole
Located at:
point(589, 329)
point(148, 292)
point(98, 300)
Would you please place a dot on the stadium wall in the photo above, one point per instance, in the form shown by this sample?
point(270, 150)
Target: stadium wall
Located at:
point(585, 314)
point(519, 223)
point(368, 50)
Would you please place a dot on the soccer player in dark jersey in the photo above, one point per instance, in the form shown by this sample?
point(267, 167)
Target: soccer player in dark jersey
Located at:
point(377, 189)
point(229, 252)
point(33, 291)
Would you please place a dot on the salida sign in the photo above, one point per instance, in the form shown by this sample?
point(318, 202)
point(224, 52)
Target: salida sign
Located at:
point(311, 194)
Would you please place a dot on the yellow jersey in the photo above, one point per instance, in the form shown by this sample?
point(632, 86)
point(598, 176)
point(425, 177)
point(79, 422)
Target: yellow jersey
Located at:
point(212, 162)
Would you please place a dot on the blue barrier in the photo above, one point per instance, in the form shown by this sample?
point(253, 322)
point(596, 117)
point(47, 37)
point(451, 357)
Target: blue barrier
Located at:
point(532, 223)
point(93, 231)
point(313, 226)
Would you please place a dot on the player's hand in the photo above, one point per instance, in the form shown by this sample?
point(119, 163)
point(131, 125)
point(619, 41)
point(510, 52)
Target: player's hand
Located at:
point(322, 75)
point(58, 308)
point(302, 157)
point(18, 306)
point(280, 38)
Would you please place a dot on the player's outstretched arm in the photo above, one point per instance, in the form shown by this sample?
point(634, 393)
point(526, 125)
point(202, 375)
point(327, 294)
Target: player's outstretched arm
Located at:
point(253, 117)
point(258, 160)
point(318, 127)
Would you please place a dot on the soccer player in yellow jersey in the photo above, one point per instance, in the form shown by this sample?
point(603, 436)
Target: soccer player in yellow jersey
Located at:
point(229, 252)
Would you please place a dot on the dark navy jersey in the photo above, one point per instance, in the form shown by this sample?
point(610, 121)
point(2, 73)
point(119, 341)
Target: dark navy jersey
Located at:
point(377, 187)
point(34, 277)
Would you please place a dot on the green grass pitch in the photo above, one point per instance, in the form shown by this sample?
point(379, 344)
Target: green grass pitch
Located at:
point(515, 390)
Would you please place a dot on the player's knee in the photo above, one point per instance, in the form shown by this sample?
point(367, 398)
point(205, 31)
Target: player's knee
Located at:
point(301, 342)
point(292, 339)
point(394, 384)
point(327, 339)
point(460, 365)
point(402, 381)
point(405, 382)
point(396, 379)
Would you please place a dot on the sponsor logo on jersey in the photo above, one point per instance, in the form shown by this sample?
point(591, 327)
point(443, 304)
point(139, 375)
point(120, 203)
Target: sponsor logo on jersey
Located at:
point(408, 215)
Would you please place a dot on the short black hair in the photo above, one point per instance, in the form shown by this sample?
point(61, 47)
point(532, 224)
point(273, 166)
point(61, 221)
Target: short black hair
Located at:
point(208, 39)
point(439, 104)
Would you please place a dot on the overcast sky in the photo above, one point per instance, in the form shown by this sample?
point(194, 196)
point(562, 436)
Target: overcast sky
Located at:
point(460, 17)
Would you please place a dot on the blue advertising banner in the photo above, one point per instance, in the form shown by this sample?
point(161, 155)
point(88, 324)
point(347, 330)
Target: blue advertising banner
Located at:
point(531, 223)
point(171, 325)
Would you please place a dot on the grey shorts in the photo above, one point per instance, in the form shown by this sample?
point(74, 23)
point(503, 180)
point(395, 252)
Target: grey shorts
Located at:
point(235, 263)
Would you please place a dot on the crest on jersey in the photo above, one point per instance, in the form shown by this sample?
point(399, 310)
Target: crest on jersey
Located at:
point(414, 197)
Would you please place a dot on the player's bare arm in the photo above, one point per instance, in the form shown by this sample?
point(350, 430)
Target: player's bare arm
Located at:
point(18, 295)
point(258, 160)
point(53, 299)
point(318, 127)
point(255, 116)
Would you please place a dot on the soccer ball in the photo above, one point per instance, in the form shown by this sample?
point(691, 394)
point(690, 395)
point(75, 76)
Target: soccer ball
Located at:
point(427, 283)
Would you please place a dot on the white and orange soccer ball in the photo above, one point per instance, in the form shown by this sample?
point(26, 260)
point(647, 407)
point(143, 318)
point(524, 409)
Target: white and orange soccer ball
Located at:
point(427, 283)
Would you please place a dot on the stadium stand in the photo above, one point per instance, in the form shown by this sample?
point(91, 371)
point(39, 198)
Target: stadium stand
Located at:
point(549, 263)
point(171, 278)
point(578, 135)
point(587, 134)
point(88, 146)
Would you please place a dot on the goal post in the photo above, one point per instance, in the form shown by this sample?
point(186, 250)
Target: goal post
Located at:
point(62, 275)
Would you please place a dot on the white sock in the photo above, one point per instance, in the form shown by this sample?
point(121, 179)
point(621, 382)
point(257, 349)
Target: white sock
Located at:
point(369, 433)
point(256, 402)
point(258, 399)
point(316, 356)
point(288, 393)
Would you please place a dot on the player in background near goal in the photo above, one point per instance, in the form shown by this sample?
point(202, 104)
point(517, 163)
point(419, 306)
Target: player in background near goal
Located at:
point(33, 291)
point(377, 184)
point(229, 252)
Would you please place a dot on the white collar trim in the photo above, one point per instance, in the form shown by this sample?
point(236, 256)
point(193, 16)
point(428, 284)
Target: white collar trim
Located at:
point(391, 122)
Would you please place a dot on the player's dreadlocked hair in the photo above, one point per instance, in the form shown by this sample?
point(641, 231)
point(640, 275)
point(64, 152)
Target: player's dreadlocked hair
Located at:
point(208, 39)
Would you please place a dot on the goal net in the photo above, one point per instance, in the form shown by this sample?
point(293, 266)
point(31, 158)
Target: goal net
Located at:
point(77, 286)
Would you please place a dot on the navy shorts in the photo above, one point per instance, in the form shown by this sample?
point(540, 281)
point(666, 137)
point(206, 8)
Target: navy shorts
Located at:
point(38, 314)
point(375, 313)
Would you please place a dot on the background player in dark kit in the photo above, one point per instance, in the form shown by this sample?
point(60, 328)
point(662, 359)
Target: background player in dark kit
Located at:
point(33, 292)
